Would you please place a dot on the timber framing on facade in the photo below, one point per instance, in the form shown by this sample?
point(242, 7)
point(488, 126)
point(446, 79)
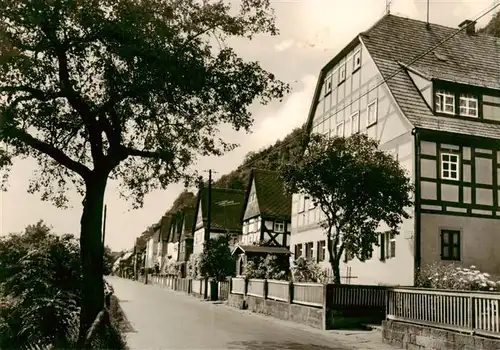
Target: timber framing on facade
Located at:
point(267, 215)
point(439, 116)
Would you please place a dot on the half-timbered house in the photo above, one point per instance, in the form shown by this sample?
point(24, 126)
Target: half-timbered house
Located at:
point(431, 96)
point(186, 238)
point(226, 212)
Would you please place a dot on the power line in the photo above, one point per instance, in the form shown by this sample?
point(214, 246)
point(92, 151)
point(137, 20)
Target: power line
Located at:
point(384, 80)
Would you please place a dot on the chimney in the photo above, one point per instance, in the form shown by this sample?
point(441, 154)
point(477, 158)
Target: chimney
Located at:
point(470, 26)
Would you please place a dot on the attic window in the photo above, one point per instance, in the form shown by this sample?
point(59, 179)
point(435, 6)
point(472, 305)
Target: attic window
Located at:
point(328, 85)
point(342, 73)
point(356, 60)
point(440, 57)
point(445, 102)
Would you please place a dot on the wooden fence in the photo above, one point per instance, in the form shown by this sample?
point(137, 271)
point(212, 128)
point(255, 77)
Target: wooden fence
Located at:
point(314, 294)
point(472, 312)
point(310, 294)
point(278, 290)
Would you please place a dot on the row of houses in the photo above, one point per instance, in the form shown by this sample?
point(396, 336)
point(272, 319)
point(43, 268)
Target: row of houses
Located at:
point(438, 115)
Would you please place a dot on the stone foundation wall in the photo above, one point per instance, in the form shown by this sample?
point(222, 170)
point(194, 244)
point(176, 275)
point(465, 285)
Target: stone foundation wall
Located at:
point(412, 336)
point(311, 316)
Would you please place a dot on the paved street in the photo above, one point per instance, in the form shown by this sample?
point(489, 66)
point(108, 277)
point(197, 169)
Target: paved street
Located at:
point(165, 319)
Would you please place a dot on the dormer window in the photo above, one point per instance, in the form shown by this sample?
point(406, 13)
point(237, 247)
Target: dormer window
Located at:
point(342, 73)
point(468, 105)
point(445, 102)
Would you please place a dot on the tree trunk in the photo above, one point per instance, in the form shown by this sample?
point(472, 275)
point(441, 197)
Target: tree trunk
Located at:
point(334, 258)
point(91, 250)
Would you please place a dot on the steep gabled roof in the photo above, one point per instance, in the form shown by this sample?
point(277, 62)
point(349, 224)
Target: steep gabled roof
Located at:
point(188, 222)
point(273, 201)
point(394, 42)
point(166, 221)
point(227, 208)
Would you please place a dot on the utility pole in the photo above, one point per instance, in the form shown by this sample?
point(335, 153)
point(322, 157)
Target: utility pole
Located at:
point(209, 205)
point(103, 237)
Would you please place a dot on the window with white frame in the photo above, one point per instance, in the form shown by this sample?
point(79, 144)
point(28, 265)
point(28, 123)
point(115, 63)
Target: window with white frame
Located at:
point(387, 245)
point(279, 226)
point(339, 131)
point(328, 84)
point(342, 73)
point(355, 123)
point(449, 166)
point(372, 113)
point(309, 250)
point(302, 203)
point(445, 102)
point(468, 105)
point(356, 60)
point(311, 203)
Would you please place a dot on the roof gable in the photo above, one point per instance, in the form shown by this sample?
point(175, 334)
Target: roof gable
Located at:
point(464, 58)
point(251, 201)
point(272, 199)
point(227, 208)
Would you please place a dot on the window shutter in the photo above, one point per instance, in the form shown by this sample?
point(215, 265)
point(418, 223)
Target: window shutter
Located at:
point(382, 247)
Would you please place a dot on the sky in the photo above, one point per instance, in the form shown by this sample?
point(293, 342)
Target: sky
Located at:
point(311, 33)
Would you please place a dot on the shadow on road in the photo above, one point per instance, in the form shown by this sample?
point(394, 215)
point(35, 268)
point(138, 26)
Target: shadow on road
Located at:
point(273, 345)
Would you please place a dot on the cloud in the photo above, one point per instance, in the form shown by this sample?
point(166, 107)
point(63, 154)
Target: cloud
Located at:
point(291, 114)
point(284, 45)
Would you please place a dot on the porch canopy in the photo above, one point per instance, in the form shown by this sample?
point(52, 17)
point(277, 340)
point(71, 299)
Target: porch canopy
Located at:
point(247, 251)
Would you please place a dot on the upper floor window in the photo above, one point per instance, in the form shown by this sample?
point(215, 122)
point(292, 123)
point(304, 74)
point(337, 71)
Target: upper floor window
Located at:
point(468, 105)
point(372, 113)
point(342, 73)
point(328, 84)
point(450, 245)
point(302, 203)
point(340, 129)
point(445, 102)
point(449, 166)
point(356, 60)
point(355, 123)
point(279, 226)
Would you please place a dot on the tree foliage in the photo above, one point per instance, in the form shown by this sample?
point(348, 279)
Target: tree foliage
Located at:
point(357, 188)
point(40, 288)
point(216, 260)
point(268, 158)
point(123, 89)
point(269, 267)
point(305, 270)
point(493, 26)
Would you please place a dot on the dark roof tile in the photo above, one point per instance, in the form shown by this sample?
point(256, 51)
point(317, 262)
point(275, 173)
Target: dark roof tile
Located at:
point(471, 59)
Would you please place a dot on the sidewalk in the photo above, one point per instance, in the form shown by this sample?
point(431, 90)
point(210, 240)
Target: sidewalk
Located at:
point(164, 319)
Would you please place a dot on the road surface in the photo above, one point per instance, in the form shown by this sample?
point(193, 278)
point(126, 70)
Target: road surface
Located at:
point(164, 319)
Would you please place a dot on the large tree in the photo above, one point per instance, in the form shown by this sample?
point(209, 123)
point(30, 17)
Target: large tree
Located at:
point(130, 90)
point(357, 187)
